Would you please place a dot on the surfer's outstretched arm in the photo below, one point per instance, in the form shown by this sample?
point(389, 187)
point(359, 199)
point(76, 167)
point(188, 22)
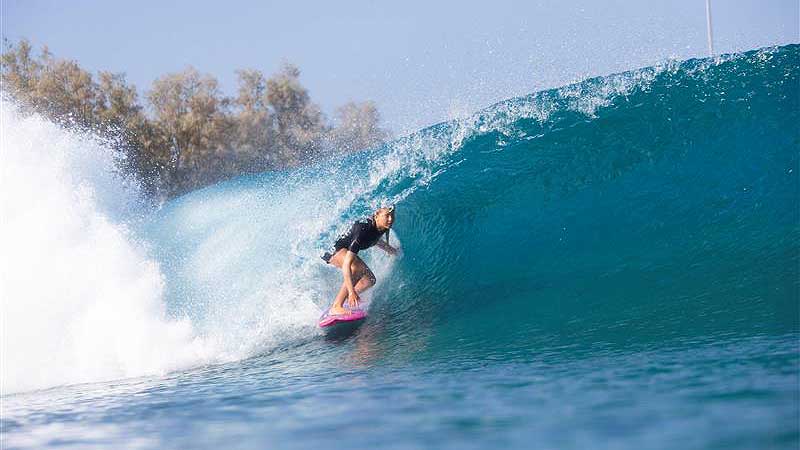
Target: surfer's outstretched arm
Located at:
point(386, 247)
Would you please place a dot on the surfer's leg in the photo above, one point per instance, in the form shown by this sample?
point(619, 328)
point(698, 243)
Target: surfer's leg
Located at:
point(338, 302)
point(359, 272)
point(357, 268)
point(367, 280)
point(362, 277)
point(340, 297)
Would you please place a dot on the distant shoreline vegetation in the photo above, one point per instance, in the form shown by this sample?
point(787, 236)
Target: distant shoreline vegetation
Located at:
point(188, 134)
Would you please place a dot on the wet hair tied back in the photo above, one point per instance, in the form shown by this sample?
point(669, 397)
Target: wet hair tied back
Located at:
point(389, 209)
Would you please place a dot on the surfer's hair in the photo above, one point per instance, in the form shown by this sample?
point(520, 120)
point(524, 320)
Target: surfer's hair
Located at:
point(389, 209)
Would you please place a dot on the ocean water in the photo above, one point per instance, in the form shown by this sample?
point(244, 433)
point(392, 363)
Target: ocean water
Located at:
point(610, 264)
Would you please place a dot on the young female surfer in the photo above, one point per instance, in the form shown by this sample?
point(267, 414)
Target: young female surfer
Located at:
point(357, 276)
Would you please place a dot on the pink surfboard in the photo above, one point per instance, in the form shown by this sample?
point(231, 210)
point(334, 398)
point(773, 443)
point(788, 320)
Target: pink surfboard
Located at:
point(355, 316)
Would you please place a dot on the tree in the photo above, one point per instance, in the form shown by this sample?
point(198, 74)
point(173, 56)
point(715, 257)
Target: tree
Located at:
point(123, 117)
point(298, 122)
point(19, 71)
point(57, 88)
point(192, 135)
point(66, 91)
point(254, 124)
point(357, 127)
point(117, 101)
point(190, 112)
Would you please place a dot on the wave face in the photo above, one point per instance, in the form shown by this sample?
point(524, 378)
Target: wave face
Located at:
point(635, 208)
point(628, 210)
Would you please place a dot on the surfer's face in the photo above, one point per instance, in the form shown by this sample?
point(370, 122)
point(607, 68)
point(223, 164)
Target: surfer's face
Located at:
point(384, 218)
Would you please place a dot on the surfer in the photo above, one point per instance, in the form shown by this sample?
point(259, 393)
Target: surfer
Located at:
point(358, 277)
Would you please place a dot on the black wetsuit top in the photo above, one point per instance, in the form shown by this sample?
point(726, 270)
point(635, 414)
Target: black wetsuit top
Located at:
point(362, 235)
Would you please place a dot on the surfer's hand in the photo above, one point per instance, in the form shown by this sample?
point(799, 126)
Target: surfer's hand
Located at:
point(391, 250)
point(353, 299)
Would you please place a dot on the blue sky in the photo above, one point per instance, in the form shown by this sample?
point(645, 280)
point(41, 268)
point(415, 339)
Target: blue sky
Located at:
point(421, 61)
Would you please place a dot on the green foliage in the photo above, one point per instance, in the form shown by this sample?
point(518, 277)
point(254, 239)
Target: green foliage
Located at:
point(358, 127)
point(190, 114)
point(191, 135)
point(20, 72)
point(299, 123)
point(254, 137)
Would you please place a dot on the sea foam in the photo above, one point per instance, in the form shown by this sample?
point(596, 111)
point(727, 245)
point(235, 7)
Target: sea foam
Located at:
point(81, 300)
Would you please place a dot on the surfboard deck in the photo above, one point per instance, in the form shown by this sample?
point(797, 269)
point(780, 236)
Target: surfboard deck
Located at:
point(341, 326)
point(328, 320)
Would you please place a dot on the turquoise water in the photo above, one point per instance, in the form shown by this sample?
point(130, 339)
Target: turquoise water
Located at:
point(611, 264)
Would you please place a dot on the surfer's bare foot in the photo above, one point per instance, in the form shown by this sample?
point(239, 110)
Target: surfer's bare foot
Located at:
point(338, 310)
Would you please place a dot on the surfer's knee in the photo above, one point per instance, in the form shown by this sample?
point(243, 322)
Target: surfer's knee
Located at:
point(362, 273)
